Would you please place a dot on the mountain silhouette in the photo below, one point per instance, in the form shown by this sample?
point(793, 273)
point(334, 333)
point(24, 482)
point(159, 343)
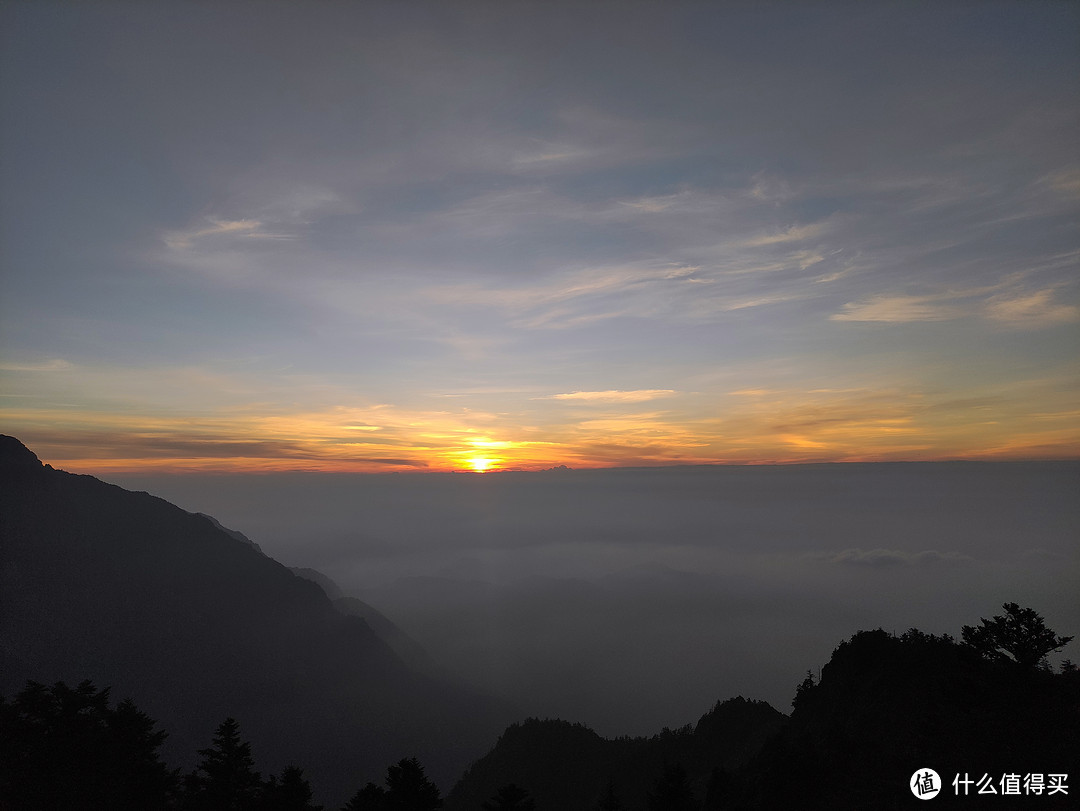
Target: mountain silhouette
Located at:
point(168, 607)
point(408, 649)
point(886, 707)
point(569, 767)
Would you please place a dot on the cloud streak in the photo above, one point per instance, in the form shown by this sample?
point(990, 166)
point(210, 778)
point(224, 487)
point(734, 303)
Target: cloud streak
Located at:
point(637, 396)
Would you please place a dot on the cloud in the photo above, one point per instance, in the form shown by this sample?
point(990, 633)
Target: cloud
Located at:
point(615, 396)
point(547, 154)
point(1064, 181)
point(899, 309)
point(884, 558)
point(770, 189)
point(249, 229)
point(54, 365)
point(795, 233)
point(1035, 309)
point(574, 298)
point(1021, 308)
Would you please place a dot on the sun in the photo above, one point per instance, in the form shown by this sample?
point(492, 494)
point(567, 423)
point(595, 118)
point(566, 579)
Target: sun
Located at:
point(482, 464)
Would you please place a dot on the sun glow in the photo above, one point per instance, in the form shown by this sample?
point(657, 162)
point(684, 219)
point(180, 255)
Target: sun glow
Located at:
point(482, 464)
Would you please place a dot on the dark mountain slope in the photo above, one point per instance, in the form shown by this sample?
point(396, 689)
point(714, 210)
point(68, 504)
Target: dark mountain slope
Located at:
point(569, 767)
point(407, 649)
point(127, 590)
point(332, 589)
point(887, 706)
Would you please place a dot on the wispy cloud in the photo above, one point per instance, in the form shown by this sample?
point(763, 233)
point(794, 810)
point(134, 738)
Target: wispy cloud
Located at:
point(180, 240)
point(878, 558)
point(1035, 309)
point(544, 155)
point(614, 396)
point(900, 309)
point(53, 365)
point(556, 303)
point(794, 233)
point(1008, 302)
point(1065, 181)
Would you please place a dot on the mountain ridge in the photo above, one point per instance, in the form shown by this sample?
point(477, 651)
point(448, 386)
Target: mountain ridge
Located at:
point(132, 592)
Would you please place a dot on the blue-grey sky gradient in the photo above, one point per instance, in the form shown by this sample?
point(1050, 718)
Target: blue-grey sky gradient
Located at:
point(367, 236)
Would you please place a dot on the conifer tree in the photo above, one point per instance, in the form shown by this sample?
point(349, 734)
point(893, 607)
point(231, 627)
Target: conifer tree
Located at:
point(672, 791)
point(64, 747)
point(609, 801)
point(228, 781)
point(510, 798)
point(1020, 637)
point(370, 798)
point(408, 789)
point(291, 793)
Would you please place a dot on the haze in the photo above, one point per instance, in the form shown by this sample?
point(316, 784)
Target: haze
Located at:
point(634, 599)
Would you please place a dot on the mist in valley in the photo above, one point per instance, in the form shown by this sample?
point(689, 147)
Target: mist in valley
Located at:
point(633, 599)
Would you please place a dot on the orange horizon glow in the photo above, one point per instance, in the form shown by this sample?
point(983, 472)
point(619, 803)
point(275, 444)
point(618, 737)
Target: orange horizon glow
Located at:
point(747, 428)
point(99, 465)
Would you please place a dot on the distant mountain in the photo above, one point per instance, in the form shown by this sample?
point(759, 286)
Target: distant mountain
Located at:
point(196, 624)
point(332, 589)
point(408, 649)
point(232, 533)
point(569, 767)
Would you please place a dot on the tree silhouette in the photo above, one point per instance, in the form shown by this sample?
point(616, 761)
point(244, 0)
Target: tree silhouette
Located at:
point(370, 798)
point(229, 781)
point(672, 791)
point(1021, 637)
point(63, 747)
point(291, 793)
point(803, 691)
point(510, 798)
point(610, 800)
point(407, 789)
point(717, 793)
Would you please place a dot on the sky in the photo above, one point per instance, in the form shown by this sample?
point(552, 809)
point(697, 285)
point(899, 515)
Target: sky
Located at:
point(479, 236)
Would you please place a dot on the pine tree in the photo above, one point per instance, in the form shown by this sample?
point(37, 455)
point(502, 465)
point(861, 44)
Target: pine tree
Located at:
point(228, 781)
point(63, 747)
point(610, 800)
point(291, 793)
point(510, 798)
point(370, 798)
point(672, 791)
point(409, 790)
point(1020, 637)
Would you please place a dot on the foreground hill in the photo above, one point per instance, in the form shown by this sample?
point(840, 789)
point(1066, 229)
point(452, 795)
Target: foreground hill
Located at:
point(569, 767)
point(132, 592)
point(885, 707)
